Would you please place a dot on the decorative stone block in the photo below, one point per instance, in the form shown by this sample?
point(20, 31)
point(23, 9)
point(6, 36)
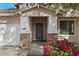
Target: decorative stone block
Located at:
point(25, 40)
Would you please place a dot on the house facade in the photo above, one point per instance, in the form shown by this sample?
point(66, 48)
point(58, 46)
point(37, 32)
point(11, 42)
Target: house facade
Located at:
point(35, 22)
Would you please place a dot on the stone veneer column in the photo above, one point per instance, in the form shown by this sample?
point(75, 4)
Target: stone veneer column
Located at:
point(52, 27)
point(25, 31)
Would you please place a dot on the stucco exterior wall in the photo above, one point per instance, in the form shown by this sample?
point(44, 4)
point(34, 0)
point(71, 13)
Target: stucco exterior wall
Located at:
point(22, 5)
point(77, 30)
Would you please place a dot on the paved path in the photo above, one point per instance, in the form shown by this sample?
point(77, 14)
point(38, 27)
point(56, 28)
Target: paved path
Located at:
point(35, 50)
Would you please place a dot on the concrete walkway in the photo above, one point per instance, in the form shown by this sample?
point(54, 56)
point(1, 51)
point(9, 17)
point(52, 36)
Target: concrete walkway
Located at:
point(35, 50)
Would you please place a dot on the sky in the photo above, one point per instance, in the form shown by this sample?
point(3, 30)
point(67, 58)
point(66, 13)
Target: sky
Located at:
point(7, 5)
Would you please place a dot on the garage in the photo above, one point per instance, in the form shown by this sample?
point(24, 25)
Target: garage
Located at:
point(9, 33)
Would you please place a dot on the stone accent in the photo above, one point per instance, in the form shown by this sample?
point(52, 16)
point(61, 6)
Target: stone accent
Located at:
point(25, 40)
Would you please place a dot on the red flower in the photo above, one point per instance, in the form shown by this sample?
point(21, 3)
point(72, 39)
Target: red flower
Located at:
point(50, 41)
point(45, 44)
point(47, 50)
point(75, 52)
point(63, 45)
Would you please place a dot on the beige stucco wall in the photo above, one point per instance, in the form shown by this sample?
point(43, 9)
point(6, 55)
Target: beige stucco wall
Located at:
point(10, 19)
point(77, 30)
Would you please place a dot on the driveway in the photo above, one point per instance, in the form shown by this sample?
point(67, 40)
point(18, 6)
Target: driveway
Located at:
point(13, 51)
point(35, 49)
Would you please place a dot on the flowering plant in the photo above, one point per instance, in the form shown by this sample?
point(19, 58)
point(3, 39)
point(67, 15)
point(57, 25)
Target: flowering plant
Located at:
point(75, 52)
point(63, 45)
point(50, 41)
point(51, 49)
point(47, 50)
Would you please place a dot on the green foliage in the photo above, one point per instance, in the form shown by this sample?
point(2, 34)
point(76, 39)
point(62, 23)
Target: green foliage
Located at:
point(71, 5)
point(74, 6)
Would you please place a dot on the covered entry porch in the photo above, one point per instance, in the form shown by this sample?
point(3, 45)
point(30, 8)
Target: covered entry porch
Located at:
point(38, 26)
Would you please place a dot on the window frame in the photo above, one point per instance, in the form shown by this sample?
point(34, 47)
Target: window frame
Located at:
point(28, 4)
point(74, 26)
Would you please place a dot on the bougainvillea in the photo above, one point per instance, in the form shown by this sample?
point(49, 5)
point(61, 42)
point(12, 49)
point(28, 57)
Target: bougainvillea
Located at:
point(47, 50)
point(50, 41)
point(63, 45)
point(62, 49)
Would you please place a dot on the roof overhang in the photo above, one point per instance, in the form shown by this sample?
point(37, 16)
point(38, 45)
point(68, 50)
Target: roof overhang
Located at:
point(36, 6)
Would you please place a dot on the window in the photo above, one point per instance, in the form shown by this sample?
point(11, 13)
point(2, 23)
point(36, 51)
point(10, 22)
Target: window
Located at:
point(67, 27)
point(29, 4)
point(26, 4)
